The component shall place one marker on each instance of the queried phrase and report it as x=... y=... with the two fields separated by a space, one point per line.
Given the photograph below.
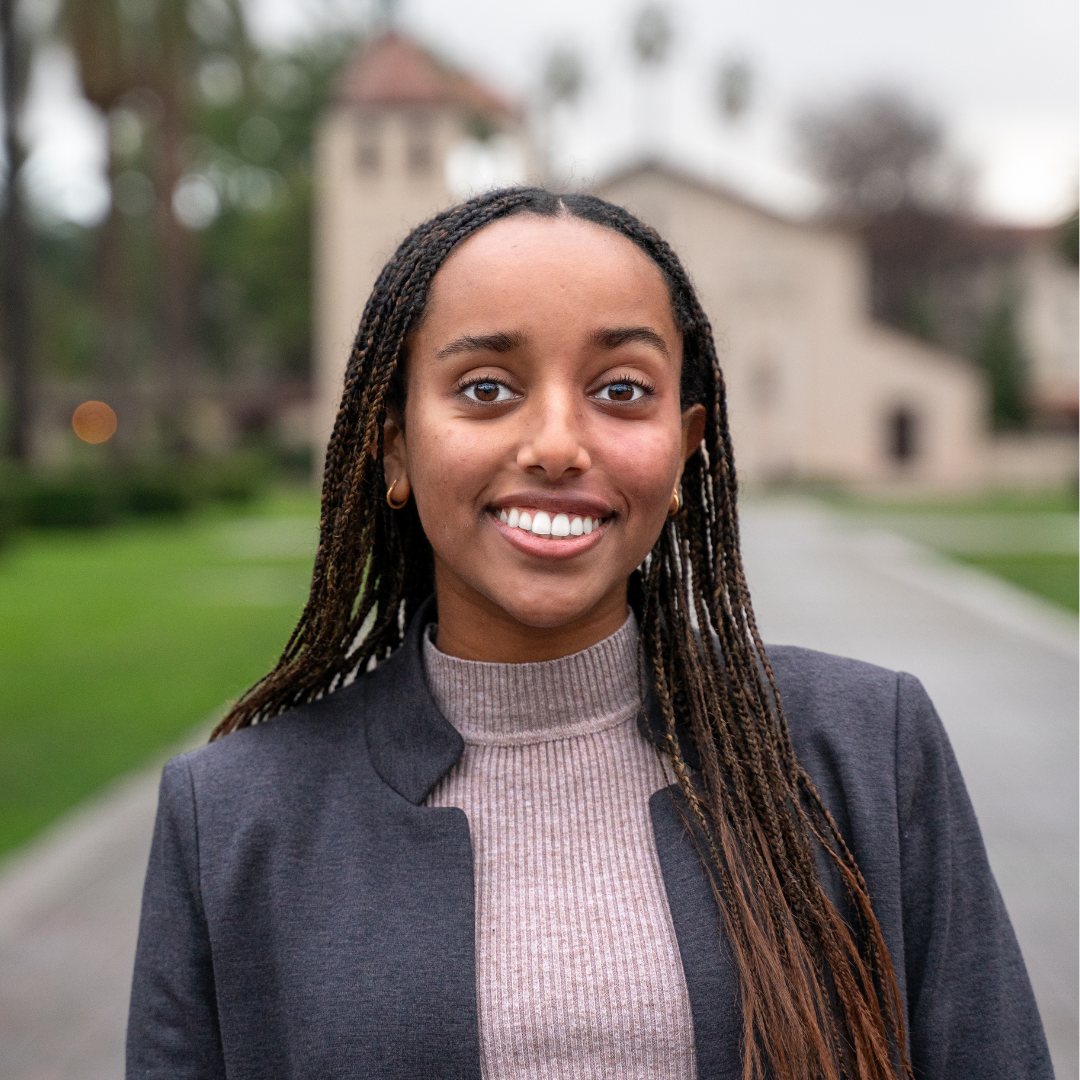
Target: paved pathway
x=1001 y=668
x=69 y=914
x=69 y=910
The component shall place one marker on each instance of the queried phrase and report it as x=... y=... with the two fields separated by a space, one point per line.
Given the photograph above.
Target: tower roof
x=392 y=70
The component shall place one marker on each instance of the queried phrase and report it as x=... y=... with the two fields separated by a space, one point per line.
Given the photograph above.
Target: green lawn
x=1055 y=577
x=1030 y=540
x=117 y=643
x=1004 y=502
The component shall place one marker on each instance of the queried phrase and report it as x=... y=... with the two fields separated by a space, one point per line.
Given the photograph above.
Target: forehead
x=528 y=261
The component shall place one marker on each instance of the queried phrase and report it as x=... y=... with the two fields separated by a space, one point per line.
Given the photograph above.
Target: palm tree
x=108 y=71
x=173 y=79
x=120 y=55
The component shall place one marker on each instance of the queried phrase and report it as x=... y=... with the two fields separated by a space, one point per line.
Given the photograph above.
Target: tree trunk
x=176 y=262
x=15 y=244
x=117 y=327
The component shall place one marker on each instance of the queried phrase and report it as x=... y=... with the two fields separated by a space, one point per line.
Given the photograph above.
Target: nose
x=554 y=442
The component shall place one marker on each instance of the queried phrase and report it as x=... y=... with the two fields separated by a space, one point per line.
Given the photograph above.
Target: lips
x=552 y=526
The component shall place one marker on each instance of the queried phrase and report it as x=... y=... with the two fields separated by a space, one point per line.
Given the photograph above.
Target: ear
x=693 y=430
x=395 y=452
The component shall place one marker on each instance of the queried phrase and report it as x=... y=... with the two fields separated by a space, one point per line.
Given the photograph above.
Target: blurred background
x=878 y=204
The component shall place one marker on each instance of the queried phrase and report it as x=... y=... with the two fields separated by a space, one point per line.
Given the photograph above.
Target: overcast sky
x=1002 y=74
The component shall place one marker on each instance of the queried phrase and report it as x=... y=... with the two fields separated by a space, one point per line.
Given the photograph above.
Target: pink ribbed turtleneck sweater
x=577 y=965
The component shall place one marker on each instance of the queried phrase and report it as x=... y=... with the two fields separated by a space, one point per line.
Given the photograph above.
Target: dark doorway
x=903 y=430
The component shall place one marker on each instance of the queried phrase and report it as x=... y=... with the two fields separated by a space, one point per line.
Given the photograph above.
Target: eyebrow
x=498 y=343
x=505 y=341
x=616 y=336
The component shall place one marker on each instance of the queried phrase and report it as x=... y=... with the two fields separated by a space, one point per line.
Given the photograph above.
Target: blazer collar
x=413 y=746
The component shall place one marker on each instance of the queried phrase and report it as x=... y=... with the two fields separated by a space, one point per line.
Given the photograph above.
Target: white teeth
x=543 y=524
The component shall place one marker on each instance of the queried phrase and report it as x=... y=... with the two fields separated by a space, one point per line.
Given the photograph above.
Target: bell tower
x=403 y=137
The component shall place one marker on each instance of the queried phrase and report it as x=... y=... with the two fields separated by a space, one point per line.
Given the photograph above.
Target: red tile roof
x=395 y=71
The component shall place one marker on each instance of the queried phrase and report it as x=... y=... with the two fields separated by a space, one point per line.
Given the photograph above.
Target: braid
x=819 y=996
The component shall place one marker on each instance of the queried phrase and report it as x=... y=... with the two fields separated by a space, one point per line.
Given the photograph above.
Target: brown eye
x=621 y=391
x=487 y=391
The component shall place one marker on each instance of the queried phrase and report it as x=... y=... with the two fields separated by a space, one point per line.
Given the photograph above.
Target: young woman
x=525 y=796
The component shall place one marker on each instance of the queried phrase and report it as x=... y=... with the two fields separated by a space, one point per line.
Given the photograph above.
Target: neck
x=517 y=704
x=472 y=627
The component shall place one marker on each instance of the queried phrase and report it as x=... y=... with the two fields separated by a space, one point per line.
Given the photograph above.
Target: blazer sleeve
x=971 y=1011
x=173 y=1026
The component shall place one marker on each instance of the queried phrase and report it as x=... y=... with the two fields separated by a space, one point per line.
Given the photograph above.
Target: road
x=1001 y=668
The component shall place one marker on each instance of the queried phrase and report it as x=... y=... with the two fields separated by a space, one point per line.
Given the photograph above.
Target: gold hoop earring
x=676 y=504
x=390 y=502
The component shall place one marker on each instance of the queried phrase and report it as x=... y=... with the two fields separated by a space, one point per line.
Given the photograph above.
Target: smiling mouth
x=555 y=526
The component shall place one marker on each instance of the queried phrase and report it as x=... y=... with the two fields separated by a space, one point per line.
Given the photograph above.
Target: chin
x=545 y=610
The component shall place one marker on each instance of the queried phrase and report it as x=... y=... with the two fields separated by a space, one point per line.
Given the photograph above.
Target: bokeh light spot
x=94 y=421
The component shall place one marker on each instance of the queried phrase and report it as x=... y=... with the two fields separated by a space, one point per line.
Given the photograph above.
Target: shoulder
x=831 y=695
x=848 y=702
x=303 y=747
x=857 y=728
x=838 y=710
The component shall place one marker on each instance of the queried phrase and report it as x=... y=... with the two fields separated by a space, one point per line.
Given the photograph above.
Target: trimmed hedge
x=72 y=501
x=91 y=498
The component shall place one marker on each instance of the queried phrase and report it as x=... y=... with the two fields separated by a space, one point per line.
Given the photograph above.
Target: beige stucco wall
x=811 y=379
x=1034 y=459
x=944 y=391
x=1050 y=326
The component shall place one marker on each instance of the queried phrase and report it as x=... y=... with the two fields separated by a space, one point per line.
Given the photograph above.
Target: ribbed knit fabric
x=577 y=965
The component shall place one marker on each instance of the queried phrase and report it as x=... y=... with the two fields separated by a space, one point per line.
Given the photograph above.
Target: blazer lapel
x=708 y=965
x=412 y=745
x=429 y=909
x=711 y=979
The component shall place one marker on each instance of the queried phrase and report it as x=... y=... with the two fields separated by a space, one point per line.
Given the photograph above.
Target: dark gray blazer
x=305 y=915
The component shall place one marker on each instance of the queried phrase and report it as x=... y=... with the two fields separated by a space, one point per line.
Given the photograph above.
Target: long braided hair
x=818 y=993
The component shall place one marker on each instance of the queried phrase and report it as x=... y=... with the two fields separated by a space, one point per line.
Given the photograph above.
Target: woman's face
x=543 y=435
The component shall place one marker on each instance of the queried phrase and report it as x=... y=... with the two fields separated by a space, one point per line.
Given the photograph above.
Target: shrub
x=298 y=461
x=74 y=500
x=236 y=479
x=93 y=497
x=12 y=500
x=158 y=490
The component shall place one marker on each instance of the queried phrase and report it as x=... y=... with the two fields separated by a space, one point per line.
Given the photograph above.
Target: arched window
x=902 y=434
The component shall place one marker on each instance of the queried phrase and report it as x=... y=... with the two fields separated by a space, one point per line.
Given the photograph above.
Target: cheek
x=644 y=460
x=446 y=460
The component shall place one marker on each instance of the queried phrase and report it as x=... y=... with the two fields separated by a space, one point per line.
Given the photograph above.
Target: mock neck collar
x=519 y=704
x=411 y=743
